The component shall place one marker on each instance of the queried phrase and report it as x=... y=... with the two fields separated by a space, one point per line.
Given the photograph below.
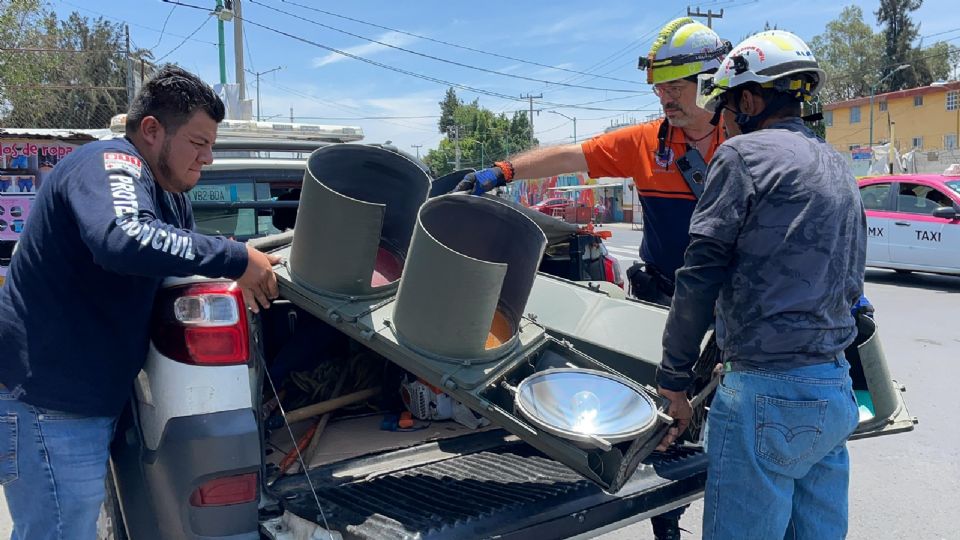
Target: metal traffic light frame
x=455 y=317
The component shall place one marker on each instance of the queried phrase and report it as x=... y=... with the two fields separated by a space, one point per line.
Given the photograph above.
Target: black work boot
x=666 y=527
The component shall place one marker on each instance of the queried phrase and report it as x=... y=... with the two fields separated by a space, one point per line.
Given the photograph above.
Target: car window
x=954 y=185
x=216 y=193
x=920 y=199
x=876 y=196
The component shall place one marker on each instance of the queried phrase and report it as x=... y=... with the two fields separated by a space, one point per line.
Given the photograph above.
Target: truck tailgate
x=493 y=486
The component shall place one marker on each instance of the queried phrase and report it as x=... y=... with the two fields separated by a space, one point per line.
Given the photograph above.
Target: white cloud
x=367 y=50
x=580 y=26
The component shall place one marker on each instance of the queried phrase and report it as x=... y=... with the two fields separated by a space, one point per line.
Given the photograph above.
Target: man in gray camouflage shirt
x=778 y=247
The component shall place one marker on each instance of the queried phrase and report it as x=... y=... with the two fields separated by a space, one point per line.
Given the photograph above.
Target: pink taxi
x=913 y=222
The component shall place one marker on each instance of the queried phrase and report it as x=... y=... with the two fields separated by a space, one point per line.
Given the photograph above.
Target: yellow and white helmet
x=773 y=59
x=684 y=48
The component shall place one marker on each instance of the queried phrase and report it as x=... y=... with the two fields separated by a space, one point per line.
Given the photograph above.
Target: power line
x=950 y=31
x=632 y=62
x=908 y=60
x=32 y=49
x=362 y=59
x=105 y=16
x=404 y=71
x=62 y=87
x=444 y=60
x=346 y=107
x=164 y=29
x=171 y=51
x=449 y=44
x=338 y=118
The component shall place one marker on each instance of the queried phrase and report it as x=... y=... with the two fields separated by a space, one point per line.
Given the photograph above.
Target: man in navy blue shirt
x=109 y=224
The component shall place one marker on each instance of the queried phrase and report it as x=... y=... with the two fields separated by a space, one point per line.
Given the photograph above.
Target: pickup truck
x=209 y=447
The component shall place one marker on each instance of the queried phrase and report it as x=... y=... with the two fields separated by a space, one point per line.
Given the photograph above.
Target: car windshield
x=954 y=185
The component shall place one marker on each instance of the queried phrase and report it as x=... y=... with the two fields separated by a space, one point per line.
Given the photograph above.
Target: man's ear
x=151 y=130
x=750 y=103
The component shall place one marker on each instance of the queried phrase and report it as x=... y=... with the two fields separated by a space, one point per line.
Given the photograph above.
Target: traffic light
x=470 y=269
x=440 y=288
x=357 y=212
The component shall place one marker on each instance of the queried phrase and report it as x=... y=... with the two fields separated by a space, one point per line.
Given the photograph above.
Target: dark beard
x=163 y=167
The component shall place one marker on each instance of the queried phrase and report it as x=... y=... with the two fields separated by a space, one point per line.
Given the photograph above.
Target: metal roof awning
x=56 y=134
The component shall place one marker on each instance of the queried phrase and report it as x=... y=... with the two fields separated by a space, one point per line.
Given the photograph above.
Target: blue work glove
x=863 y=307
x=482 y=181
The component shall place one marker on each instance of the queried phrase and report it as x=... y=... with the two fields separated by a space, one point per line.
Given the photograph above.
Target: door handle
x=902 y=223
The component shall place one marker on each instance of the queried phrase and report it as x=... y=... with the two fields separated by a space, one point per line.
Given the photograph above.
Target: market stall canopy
x=56 y=134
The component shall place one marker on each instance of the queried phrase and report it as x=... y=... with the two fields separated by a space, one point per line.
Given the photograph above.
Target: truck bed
x=487 y=484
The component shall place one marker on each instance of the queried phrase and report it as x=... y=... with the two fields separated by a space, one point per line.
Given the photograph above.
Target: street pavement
x=904 y=486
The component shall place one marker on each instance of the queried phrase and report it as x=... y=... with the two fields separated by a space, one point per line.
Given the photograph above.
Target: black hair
x=172 y=96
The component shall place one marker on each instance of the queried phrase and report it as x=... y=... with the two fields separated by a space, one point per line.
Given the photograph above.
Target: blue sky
x=602 y=39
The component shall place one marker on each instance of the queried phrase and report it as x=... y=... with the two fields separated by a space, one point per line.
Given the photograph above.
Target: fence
x=55 y=88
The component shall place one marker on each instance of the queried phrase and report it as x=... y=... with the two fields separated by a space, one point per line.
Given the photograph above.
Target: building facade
x=925 y=119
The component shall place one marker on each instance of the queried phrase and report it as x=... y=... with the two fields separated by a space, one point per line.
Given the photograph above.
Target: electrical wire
x=950 y=31
x=105 y=16
x=366 y=117
x=392 y=68
x=415 y=127
x=303 y=465
x=633 y=62
x=362 y=59
x=164 y=28
x=444 y=60
x=449 y=44
x=171 y=51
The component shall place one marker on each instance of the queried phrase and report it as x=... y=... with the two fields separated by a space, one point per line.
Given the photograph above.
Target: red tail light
x=202 y=324
x=238 y=489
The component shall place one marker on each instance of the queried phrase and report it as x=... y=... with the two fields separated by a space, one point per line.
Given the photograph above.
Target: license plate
x=213 y=193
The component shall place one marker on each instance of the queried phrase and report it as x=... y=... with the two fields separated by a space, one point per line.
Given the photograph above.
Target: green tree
x=849 y=51
x=936 y=62
x=81 y=87
x=484 y=137
x=448 y=107
x=899 y=33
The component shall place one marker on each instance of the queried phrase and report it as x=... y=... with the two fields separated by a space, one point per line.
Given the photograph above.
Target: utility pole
x=417 y=146
x=709 y=15
x=455 y=131
x=291 y=114
x=531 y=98
x=238 y=49
x=893 y=149
x=221 y=16
x=131 y=89
x=257 y=74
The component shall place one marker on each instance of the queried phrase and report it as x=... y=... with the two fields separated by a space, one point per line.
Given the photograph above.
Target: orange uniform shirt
x=665 y=197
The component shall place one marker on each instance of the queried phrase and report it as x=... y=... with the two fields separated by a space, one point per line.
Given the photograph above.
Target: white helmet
x=683 y=48
x=768 y=59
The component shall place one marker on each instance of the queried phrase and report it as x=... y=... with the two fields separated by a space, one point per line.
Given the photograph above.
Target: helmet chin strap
x=716 y=116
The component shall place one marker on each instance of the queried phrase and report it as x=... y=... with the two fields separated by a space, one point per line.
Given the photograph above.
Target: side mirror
x=945 y=212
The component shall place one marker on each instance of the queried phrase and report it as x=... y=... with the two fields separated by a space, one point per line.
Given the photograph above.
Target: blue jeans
x=778 y=463
x=53 y=467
